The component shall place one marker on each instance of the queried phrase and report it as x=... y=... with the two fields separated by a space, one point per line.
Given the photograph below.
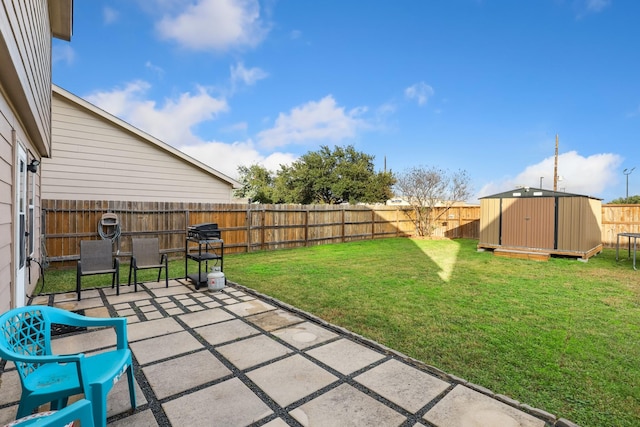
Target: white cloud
x=421 y=92
x=227 y=157
x=63 y=52
x=246 y=76
x=580 y=175
x=172 y=122
x=321 y=121
x=216 y=25
x=109 y=15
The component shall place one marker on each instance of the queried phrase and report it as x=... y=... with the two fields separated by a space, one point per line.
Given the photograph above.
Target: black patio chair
x=145 y=254
x=96 y=257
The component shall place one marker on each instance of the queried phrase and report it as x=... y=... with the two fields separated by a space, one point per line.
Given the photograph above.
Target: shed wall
x=95 y=160
x=490 y=221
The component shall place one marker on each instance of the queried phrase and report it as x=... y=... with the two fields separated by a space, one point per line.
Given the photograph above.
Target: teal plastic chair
x=25 y=339
x=77 y=411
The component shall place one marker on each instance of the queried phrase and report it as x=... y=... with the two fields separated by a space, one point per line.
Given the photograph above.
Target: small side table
x=630 y=236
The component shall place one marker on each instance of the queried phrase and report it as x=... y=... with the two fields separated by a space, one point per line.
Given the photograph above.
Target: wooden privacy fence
x=247 y=228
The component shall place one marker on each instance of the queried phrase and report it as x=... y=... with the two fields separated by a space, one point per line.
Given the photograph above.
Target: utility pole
x=627 y=172
x=555 y=168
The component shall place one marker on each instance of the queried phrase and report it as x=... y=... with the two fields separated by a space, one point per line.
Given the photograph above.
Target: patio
x=236 y=358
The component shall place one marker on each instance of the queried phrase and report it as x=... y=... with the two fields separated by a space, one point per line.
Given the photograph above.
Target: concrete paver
x=346 y=406
x=304 y=335
x=182 y=368
x=153 y=349
x=465 y=407
x=233 y=358
x=226 y=331
x=402 y=384
x=345 y=356
x=230 y=403
x=243 y=355
x=291 y=379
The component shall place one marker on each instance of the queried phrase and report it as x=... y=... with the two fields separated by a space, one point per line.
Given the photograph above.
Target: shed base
x=532 y=256
x=499 y=250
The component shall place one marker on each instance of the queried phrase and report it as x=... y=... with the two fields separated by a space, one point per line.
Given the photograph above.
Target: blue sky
x=478 y=85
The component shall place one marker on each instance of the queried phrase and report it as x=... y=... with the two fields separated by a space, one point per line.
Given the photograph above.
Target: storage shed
x=535 y=220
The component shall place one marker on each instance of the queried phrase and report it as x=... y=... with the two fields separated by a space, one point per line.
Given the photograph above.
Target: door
x=21 y=228
x=528 y=222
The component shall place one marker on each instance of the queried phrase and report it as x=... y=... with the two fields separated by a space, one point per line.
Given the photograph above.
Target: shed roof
x=57 y=90
x=530 y=192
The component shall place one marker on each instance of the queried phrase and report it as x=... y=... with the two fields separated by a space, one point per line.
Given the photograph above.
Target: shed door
x=529 y=223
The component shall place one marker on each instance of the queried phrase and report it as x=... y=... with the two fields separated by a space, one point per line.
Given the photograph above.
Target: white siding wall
x=25 y=107
x=94 y=159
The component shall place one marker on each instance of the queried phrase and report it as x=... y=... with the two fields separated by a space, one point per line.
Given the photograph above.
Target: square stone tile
x=213 y=304
x=177 y=375
x=195 y=308
x=346 y=406
x=205 y=317
x=85 y=342
x=291 y=379
x=10 y=388
x=402 y=384
x=249 y=307
x=175 y=311
x=147 y=351
x=171 y=290
x=152 y=328
x=153 y=315
x=127 y=312
x=147 y=308
x=169 y=305
x=229 y=403
x=278 y=422
x=97 y=312
x=219 y=333
x=130 y=297
x=8 y=414
x=143 y=302
x=162 y=300
x=252 y=351
x=465 y=407
x=304 y=335
x=83 y=304
x=276 y=319
x=140 y=419
x=118 y=398
x=345 y=356
x=188 y=302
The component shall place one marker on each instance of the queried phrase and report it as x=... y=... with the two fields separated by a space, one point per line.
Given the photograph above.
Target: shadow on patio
x=235 y=358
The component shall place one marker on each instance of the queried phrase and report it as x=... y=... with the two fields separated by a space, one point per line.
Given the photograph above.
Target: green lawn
x=563 y=335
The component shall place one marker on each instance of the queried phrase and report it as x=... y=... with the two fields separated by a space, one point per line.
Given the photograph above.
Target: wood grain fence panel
x=267 y=227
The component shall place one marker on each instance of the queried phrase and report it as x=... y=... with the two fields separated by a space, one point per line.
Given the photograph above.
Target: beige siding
x=25 y=55
x=95 y=159
x=25 y=108
x=490 y=221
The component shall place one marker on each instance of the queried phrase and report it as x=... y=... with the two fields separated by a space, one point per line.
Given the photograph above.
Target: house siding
x=96 y=159
x=25 y=119
x=25 y=46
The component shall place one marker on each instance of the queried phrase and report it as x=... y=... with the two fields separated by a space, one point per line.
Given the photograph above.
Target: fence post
x=306 y=226
x=248 y=219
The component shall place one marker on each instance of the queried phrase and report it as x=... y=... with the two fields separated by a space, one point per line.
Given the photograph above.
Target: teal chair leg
x=132 y=387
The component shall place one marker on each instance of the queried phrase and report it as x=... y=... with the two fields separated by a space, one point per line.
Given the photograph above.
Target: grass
x=563 y=335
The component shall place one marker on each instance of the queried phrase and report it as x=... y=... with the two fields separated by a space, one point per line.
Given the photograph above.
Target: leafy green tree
x=336 y=176
x=257 y=184
x=631 y=200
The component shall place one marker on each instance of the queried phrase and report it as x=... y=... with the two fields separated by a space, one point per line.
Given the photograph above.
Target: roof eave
x=61 y=18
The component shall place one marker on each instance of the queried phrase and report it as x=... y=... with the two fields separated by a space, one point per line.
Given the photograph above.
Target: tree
x=257 y=184
x=426 y=189
x=631 y=200
x=333 y=177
